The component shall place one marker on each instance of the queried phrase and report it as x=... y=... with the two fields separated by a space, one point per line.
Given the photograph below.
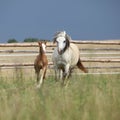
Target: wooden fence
x=96 y=55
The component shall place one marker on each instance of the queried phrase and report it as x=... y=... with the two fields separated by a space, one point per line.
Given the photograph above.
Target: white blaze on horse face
x=44 y=47
x=61 y=43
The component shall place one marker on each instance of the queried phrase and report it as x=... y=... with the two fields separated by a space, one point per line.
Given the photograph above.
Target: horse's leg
x=45 y=72
x=56 y=74
x=37 y=73
x=66 y=74
x=41 y=78
x=38 y=76
x=60 y=74
x=80 y=66
x=70 y=72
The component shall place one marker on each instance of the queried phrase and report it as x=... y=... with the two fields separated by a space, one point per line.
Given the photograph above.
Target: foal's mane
x=63 y=34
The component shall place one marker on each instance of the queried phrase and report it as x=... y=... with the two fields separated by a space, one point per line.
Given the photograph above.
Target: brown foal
x=41 y=63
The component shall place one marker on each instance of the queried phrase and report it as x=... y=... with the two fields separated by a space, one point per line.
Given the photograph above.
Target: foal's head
x=62 y=40
x=42 y=47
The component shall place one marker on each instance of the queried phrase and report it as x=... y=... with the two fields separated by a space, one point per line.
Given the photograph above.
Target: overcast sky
x=81 y=19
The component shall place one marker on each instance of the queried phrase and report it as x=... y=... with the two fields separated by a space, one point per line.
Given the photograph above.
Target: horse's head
x=62 y=40
x=42 y=46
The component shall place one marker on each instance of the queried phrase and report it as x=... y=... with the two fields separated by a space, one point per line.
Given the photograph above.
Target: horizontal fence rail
x=34 y=44
x=97 y=42
x=48 y=54
x=50 y=64
x=50 y=51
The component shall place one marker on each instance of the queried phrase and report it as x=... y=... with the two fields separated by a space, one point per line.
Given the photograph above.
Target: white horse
x=65 y=57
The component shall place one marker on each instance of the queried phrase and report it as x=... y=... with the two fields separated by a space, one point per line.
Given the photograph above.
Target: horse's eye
x=64 y=41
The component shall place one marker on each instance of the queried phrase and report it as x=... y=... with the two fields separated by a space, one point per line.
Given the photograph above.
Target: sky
x=81 y=19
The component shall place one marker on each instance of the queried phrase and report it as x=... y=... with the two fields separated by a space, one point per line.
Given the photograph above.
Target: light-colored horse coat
x=65 y=58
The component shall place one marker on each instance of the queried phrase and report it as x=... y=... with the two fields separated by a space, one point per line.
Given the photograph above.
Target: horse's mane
x=62 y=34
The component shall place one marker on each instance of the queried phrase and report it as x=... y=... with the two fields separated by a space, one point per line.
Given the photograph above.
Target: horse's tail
x=80 y=66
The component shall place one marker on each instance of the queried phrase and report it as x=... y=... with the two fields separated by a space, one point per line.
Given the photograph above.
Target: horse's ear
x=54 y=40
x=39 y=43
x=68 y=40
x=45 y=42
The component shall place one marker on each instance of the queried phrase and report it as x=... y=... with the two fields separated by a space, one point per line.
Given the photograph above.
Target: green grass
x=88 y=97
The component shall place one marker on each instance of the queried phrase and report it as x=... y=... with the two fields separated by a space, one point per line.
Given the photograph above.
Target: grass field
x=88 y=97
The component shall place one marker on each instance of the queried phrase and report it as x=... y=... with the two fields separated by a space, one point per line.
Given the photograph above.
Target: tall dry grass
x=88 y=97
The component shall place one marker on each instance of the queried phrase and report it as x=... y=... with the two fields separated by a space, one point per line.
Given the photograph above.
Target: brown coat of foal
x=41 y=63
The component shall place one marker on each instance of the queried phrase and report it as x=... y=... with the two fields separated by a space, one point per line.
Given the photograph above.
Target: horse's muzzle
x=60 y=51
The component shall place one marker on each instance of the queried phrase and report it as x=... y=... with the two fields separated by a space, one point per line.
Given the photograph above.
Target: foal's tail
x=80 y=66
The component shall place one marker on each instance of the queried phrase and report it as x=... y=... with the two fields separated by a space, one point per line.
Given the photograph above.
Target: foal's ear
x=45 y=42
x=39 y=43
x=54 y=40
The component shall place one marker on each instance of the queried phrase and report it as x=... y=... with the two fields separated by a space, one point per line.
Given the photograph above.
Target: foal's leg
x=38 y=76
x=45 y=72
x=41 y=78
